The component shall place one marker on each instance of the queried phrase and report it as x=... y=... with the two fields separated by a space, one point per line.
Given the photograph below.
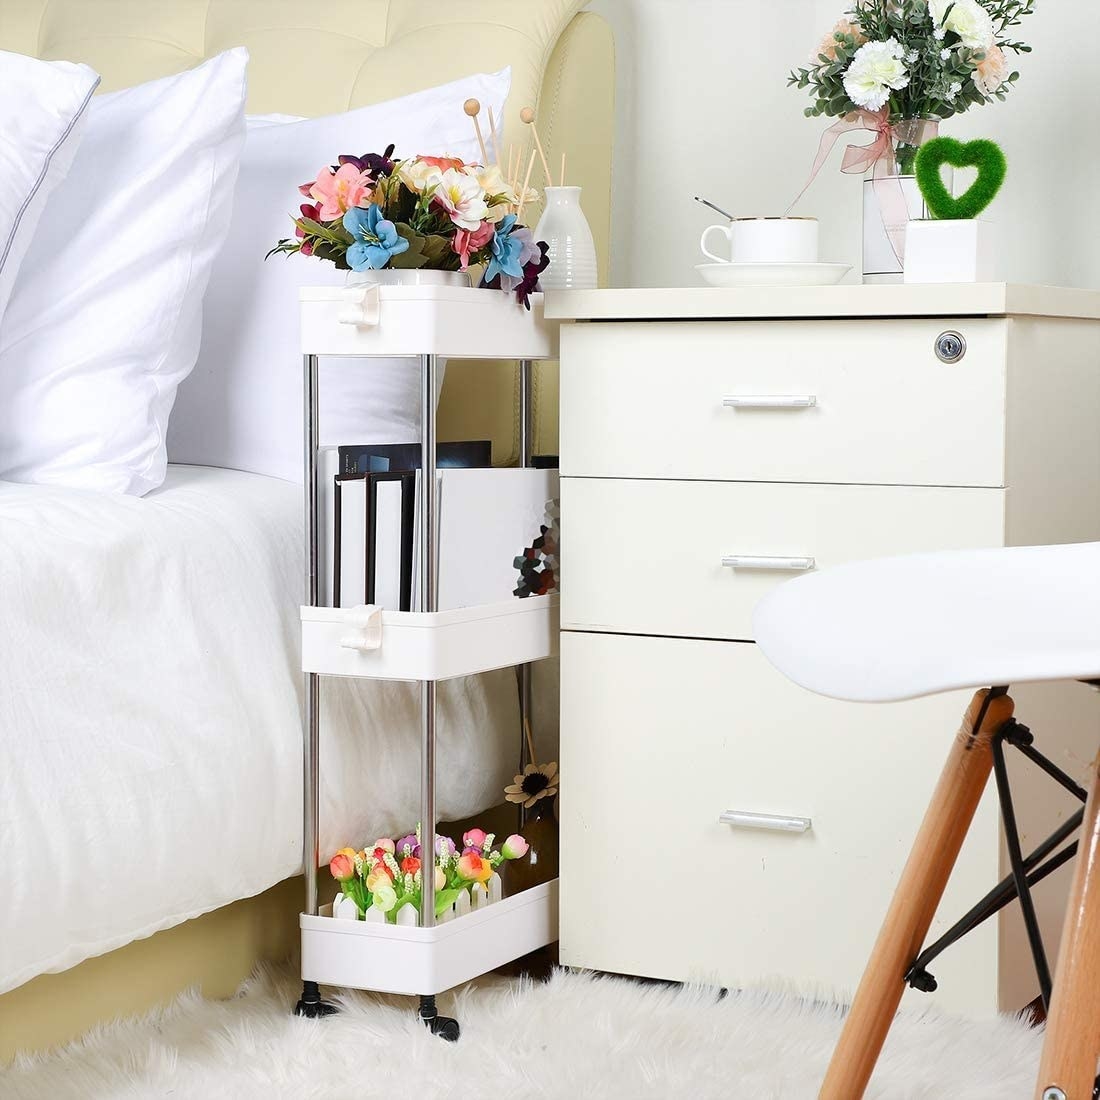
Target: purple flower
x=377 y=164
x=444 y=846
x=408 y=846
x=528 y=283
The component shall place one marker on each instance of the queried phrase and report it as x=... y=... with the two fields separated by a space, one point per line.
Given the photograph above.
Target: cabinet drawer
x=646 y=557
x=661 y=736
x=653 y=400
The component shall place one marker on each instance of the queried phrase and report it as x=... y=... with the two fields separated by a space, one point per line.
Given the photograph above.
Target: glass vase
x=893 y=180
x=540 y=864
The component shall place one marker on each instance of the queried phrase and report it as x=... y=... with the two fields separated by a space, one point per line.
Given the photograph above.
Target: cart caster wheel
x=446 y=1028
x=443 y=1026
x=311 y=1006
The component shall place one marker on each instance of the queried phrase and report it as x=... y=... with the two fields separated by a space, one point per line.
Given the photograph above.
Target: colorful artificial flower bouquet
x=372 y=212
x=387 y=875
x=896 y=62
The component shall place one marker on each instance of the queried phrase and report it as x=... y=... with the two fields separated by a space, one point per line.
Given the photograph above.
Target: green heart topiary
x=983 y=154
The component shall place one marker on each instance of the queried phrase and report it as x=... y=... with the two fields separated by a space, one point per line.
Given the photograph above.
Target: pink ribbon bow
x=878 y=156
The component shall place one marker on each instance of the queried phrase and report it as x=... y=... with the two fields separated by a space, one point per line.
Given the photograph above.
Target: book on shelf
x=370 y=458
x=363 y=458
x=389 y=539
x=351 y=521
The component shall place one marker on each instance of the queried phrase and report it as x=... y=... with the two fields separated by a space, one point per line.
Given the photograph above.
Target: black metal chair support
x=1026 y=872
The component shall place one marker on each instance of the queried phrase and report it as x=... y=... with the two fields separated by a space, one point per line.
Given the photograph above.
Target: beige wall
x=703 y=107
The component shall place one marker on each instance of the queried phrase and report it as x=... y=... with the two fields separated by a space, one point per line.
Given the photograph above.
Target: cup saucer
x=772 y=274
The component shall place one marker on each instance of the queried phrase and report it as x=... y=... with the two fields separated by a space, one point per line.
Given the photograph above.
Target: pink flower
x=515 y=847
x=475 y=838
x=829 y=43
x=337 y=192
x=385 y=845
x=465 y=242
x=991 y=71
x=462 y=198
x=442 y=163
x=473 y=868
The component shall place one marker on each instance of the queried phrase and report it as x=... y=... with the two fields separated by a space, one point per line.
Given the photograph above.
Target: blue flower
x=376 y=239
x=508 y=249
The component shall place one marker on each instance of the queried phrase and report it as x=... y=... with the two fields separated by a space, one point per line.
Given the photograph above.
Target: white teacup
x=765 y=240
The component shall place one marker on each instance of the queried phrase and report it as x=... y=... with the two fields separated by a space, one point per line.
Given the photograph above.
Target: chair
x=898 y=628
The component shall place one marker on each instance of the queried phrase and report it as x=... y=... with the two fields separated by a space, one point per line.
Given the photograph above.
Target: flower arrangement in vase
x=898 y=68
x=375 y=213
x=386 y=876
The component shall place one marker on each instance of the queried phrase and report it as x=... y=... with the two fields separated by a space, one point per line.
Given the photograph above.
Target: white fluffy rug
x=573 y=1037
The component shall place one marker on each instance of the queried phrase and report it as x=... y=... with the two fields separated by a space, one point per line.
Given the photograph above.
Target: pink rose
x=475 y=838
x=465 y=242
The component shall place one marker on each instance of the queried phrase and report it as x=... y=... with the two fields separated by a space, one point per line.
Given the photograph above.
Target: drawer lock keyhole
x=950 y=347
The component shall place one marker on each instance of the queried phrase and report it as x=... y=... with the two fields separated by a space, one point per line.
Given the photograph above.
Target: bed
x=150 y=645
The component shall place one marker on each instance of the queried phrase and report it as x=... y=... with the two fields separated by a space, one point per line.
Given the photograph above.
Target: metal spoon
x=707 y=202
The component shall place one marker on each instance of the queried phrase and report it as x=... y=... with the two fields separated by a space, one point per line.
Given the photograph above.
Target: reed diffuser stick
x=472 y=107
x=496 y=140
x=563 y=170
x=526 y=184
x=527 y=116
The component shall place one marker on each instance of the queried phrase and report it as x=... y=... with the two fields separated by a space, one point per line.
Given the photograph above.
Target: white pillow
x=106 y=317
x=242 y=406
x=42 y=104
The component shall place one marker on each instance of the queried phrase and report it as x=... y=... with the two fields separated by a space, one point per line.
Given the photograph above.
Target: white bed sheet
x=150 y=731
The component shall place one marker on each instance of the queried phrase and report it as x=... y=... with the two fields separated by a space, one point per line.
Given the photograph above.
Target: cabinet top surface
x=745 y=303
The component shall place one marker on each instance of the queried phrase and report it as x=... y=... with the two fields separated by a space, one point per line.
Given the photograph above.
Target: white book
x=351 y=516
x=486 y=519
x=387 y=543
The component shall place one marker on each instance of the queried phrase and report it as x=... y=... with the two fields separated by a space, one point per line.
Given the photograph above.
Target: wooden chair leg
x=916 y=898
x=1068 y=1066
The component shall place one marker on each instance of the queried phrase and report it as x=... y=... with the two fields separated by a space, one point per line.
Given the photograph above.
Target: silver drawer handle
x=770 y=401
x=746 y=561
x=776 y=823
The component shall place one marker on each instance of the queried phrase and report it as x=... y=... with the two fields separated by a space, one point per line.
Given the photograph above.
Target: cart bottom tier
x=386 y=958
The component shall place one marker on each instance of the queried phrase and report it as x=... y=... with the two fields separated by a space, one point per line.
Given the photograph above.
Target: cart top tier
x=451 y=321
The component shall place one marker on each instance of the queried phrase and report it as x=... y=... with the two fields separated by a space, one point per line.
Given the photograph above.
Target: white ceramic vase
x=565 y=229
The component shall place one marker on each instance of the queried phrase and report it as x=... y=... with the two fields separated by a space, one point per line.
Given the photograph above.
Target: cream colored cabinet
x=713 y=445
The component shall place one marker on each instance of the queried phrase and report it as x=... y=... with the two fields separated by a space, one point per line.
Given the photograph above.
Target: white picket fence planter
x=405 y=958
x=344 y=908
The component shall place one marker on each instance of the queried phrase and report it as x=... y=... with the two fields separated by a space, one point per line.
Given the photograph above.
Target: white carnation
x=876 y=69
x=967 y=18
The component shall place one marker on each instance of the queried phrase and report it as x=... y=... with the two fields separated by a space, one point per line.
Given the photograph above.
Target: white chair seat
x=896 y=628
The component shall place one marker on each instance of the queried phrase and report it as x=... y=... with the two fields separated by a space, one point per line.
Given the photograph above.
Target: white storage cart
x=424 y=324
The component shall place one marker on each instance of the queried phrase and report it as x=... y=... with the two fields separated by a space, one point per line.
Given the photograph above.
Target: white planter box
x=455 y=322
x=391 y=959
x=439 y=645
x=951 y=251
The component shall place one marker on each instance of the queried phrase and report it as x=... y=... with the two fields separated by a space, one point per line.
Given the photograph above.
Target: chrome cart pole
x=311 y=1004
x=311 y=742
x=526 y=446
x=428 y=559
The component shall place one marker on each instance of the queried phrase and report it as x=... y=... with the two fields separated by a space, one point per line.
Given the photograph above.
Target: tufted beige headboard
x=321 y=58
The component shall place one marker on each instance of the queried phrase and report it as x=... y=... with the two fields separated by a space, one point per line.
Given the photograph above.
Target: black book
x=371 y=458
